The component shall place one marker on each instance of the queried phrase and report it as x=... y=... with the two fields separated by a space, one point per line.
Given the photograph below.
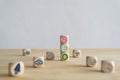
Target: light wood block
x=91 y=61
x=50 y=55
x=64 y=48
x=76 y=53
x=16 y=68
x=26 y=52
x=64 y=39
x=64 y=56
x=107 y=66
x=38 y=62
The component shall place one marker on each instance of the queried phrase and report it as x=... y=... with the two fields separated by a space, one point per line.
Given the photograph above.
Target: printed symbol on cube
x=64 y=56
x=38 y=62
x=76 y=53
x=107 y=66
x=26 y=52
x=49 y=55
x=91 y=61
x=16 y=69
x=63 y=39
x=64 y=48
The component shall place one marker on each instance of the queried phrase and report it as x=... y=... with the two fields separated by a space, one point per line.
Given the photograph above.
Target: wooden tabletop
x=74 y=69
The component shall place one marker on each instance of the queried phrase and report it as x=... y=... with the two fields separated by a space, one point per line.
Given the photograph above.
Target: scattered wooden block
x=50 y=55
x=65 y=56
x=16 y=69
x=76 y=53
x=107 y=66
x=38 y=62
x=64 y=39
x=64 y=48
x=26 y=52
x=91 y=61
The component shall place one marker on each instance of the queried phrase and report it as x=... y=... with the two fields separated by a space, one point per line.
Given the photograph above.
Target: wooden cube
x=64 y=56
x=107 y=66
x=16 y=68
x=26 y=52
x=91 y=61
x=50 y=55
x=76 y=53
x=64 y=48
x=38 y=62
x=64 y=39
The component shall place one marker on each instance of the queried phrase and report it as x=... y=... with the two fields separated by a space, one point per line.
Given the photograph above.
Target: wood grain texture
x=74 y=69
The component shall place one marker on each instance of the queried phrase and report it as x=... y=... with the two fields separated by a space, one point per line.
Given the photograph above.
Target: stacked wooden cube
x=64 y=47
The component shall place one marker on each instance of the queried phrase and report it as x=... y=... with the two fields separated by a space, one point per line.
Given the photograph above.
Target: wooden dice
x=64 y=39
x=91 y=61
x=50 y=55
x=16 y=68
x=65 y=56
x=26 y=52
x=76 y=53
x=64 y=47
x=38 y=62
x=107 y=66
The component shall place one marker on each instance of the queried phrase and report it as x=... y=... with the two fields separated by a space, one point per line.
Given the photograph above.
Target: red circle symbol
x=63 y=39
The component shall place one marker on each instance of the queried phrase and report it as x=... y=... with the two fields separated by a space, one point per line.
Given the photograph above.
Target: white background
x=39 y=23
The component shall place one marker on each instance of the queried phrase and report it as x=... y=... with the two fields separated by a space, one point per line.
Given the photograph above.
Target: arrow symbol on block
x=17 y=68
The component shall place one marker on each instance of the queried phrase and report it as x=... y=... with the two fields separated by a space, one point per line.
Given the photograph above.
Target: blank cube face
x=16 y=69
x=91 y=61
x=76 y=53
x=38 y=62
x=64 y=56
x=26 y=52
x=64 y=48
x=64 y=39
x=49 y=55
x=107 y=66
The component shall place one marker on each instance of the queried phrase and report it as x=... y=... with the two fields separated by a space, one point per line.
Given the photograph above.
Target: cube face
x=76 y=53
x=64 y=56
x=26 y=52
x=107 y=66
x=38 y=62
x=16 y=69
x=64 y=48
x=49 y=55
x=64 y=39
x=91 y=61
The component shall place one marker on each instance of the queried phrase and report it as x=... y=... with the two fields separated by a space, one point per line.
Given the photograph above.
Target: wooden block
x=91 y=61
x=76 y=53
x=64 y=39
x=107 y=66
x=50 y=55
x=16 y=69
x=64 y=56
x=64 y=48
x=38 y=62
x=26 y=52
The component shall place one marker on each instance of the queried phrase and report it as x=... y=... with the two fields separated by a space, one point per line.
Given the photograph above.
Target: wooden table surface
x=74 y=69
